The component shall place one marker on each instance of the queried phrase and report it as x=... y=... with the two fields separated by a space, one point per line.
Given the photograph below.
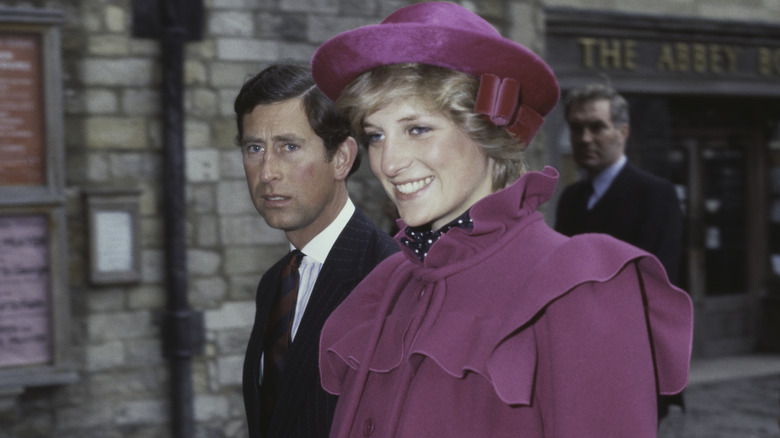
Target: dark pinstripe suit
x=303 y=408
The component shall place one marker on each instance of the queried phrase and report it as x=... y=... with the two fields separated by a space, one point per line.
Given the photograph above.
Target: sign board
x=22 y=141
x=25 y=335
x=650 y=54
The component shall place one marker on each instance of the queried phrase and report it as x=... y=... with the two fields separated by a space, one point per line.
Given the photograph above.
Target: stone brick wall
x=112 y=115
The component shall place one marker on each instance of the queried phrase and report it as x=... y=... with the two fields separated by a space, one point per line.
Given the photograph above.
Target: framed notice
x=31 y=110
x=25 y=330
x=35 y=332
x=22 y=135
x=114 y=236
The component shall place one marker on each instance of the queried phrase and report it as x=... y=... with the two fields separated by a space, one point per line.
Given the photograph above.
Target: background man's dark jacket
x=639 y=208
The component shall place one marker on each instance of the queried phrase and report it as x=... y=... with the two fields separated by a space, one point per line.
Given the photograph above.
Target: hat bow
x=499 y=100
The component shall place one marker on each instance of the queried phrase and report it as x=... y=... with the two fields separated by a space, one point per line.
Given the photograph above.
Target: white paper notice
x=114 y=245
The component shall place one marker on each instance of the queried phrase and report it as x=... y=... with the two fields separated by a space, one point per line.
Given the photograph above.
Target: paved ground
x=729 y=398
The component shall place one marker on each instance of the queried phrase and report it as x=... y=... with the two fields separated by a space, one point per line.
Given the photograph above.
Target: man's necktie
x=278 y=334
x=589 y=194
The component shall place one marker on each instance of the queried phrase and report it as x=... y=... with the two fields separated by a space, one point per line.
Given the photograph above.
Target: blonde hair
x=449 y=92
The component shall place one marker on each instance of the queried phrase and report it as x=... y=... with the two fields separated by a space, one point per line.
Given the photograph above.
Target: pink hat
x=517 y=88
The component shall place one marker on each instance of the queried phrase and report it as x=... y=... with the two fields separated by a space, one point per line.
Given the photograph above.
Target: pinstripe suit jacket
x=303 y=408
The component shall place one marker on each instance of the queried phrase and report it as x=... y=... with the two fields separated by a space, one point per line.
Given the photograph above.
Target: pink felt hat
x=517 y=88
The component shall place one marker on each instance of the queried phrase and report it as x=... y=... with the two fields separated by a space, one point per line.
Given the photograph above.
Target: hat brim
x=344 y=57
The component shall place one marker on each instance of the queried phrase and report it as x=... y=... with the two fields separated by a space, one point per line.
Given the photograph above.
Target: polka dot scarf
x=420 y=239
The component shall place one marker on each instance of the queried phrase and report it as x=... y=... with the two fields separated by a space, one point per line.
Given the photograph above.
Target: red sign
x=22 y=115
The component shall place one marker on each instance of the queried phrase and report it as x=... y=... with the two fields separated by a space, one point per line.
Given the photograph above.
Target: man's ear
x=625 y=130
x=344 y=157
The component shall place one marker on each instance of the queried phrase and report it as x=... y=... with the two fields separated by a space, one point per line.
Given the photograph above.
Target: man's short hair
x=281 y=82
x=617 y=103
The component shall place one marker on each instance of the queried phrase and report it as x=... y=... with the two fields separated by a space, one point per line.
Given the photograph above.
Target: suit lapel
x=620 y=188
x=339 y=275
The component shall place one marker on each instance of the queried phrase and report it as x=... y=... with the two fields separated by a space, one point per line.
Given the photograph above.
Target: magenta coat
x=508 y=330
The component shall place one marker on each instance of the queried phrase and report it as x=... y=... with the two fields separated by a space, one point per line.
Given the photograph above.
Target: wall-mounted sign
x=662 y=54
x=25 y=335
x=22 y=117
x=113 y=217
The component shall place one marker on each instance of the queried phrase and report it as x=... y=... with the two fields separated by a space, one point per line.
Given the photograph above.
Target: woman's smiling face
x=431 y=169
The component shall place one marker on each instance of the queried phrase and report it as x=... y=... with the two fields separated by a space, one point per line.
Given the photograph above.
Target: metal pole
x=174 y=22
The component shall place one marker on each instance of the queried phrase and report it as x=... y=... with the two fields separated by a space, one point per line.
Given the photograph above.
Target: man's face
x=292 y=184
x=596 y=142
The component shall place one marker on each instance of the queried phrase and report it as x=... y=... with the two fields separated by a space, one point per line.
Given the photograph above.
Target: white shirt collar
x=319 y=247
x=603 y=180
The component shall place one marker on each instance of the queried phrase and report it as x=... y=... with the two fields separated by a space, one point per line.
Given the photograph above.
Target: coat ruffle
x=462 y=323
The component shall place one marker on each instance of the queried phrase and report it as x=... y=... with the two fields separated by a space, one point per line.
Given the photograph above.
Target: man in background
x=297 y=154
x=615 y=197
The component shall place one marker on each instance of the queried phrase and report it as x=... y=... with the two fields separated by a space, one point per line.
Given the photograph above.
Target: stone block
x=233 y=198
x=232 y=74
x=231 y=315
x=108 y=45
x=104 y=327
x=231 y=342
x=115 y=132
x=318 y=6
x=232 y=164
x=244 y=287
x=141 y=101
x=107 y=300
x=323 y=28
x=145 y=352
x=253 y=260
x=197 y=133
x=201 y=199
x=100 y=101
x=207 y=292
x=116 y=19
x=94 y=414
x=231 y=23
x=104 y=356
x=141 y=412
x=202 y=165
x=140 y=167
x=249 y=230
x=152 y=266
x=203 y=263
x=200 y=102
x=206 y=230
x=245 y=49
x=211 y=407
x=97 y=167
x=195 y=72
x=230 y=370
x=151 y=231
x=117 y=71
x=146 y=298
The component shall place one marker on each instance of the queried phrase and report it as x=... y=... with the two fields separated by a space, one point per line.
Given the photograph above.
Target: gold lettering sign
x=608 y=54
x=22 y=115
x=768 y=61
x=678 y=57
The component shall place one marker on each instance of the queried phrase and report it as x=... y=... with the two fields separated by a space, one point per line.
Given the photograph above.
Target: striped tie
x=278 y=333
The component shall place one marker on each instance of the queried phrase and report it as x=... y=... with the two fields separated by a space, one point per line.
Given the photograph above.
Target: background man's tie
x=278 y=334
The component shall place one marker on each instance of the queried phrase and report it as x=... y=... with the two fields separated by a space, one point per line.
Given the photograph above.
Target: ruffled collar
x=492 y=217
